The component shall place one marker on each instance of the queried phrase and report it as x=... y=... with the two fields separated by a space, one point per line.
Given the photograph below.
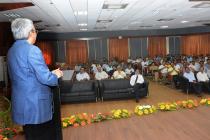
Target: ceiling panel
x=59 y=15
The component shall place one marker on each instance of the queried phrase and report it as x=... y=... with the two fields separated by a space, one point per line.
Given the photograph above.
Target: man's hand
x=58 y=73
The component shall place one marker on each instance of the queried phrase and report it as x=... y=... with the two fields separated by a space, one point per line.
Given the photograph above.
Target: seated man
x=119 y=74
x=137 y=81
x=129 y=71
x=203 y=79
x=100 y=74
x=174 y=72
x=82 y=75
x=163 y=70
x=191 y=77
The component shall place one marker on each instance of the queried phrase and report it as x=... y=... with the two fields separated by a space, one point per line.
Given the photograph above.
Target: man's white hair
x=21 y=27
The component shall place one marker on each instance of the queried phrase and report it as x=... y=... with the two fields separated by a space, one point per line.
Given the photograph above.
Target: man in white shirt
x=119 y=74
x=137 y=82
x=129 y=71
x=191 y=77
x=203 y=79
x=82 y=75
x=100 y=74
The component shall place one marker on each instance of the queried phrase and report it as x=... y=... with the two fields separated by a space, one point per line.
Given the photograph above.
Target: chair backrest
x=113 y=84
x=84 y=86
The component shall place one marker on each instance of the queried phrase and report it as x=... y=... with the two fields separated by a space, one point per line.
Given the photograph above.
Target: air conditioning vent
x=165 y=19
x=202 y=5
x=206 y=24
x=104 y=20
x=205 y=21
x=114 y=6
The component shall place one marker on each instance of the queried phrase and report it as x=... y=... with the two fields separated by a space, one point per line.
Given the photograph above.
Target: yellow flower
x=136 y=110
x=167 y=107
x=140 y=113
x=151 y=110
x=146 y=111
x=65 y=124
x=203 y=101
x=208 y=102
x=162 y=107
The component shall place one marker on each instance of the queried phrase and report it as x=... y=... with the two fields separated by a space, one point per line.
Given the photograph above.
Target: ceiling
x=98 y=15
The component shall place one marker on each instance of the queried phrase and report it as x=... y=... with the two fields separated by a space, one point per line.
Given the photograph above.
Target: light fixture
x=12 y=15
x=80 y=13
x=84 y=29
x=135 y=22
x=202 y=5
x=82 y=24
x=184 y=21
x=114 y=6
x=164 y=26
x=104 y=20
x=165 y=19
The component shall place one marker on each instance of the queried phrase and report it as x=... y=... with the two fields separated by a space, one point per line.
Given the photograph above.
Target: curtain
x=195 y=44
x=76 y=52
x=118 y=48
x=156 y=46
x=47 y=49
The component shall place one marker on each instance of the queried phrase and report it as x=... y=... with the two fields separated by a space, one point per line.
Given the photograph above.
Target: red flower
x=83 y=123
x=1 y=137
x=76 y=125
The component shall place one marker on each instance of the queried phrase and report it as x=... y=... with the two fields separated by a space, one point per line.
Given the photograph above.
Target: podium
x=57 y=114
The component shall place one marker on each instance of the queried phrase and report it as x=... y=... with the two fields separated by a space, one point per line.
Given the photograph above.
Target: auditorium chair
x=78 y=91
x=119 y=89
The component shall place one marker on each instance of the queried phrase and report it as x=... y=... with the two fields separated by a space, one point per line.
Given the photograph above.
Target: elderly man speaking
x=30 y=80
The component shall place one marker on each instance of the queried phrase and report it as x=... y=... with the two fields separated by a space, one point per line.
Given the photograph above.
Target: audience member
x=193 y=83
x=119 y=74
x=82 y=75
x=137 y=81
x=100 y=74
x=203 y=79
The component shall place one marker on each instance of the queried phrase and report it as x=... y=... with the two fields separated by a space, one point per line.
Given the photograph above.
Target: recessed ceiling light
x=83 y=29
x=145 y=26
x=114 y=6
x=202 y=5
x=104 y=20
x=80 y=13
x=135 y=22
x=164 y=26
x=165 y=19
x=82 y=24
x=203 y=20
x=184 y=21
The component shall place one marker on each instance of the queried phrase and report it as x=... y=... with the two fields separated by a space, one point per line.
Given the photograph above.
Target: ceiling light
x=135 y=22
x=104 y=20
x=165 y=19
x=202 y=5
x=82 y=24
x=100 y=28
x=145 y=26
x=203 y=20
x=12 y=15
x=114 y=6
x=83 y=29
x=164 y=26
x=184 y=21
x=80 y=13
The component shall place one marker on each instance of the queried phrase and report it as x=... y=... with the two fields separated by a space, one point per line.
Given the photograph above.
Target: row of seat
x=94 y=90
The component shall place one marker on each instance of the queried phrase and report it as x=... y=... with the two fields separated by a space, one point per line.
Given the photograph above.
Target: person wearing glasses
x=31 y=79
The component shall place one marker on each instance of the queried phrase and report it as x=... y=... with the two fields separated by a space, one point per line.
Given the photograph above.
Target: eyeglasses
x=35 y=31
